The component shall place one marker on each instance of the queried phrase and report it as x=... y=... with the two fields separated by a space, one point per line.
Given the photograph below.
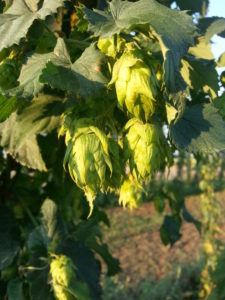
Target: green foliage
x=113 y=78
x=19 y=132
x=200 y=129
x=182 y=283
x=17 y=20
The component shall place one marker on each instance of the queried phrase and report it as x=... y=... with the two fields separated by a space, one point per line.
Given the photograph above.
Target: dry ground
x=134 y=239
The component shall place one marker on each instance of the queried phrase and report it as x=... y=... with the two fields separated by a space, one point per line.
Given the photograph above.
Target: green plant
x=109 y=79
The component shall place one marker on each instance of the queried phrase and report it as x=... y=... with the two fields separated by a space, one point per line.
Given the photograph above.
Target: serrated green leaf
x=29 y=82
x=83 y=78
x=200 y=130
x=175 y=38
x=216 y=27
x=194 y=70
x=211 y=26
x=194 y=6
x=18 y=134
x=7 y=106
x=88 y=232
x=15 y=23
x=15 y=289
x=170 y=230
x=221 y=60
x=220 y=104
x=202 y=49
x=38 y=280
x=29 y=77
x=8 y=249
x=38 y=239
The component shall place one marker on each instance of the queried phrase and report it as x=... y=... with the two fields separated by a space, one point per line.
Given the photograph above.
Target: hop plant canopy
x=91 y=88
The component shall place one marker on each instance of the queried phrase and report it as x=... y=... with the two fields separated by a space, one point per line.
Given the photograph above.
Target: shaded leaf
x=211 y=26
x=38 y=280
x=199 y=130
x=220 y=104
x=15 y=23
x=18 y=134
x=170 y=230
x=8 y=249
x=194 y=70
x=89 y=233
x=7 y=106
x=38 y=239
x=216 y=27
x=88 y=268
x=194 y=5
x=15 y=289
x=30 y=85
x=83 y=78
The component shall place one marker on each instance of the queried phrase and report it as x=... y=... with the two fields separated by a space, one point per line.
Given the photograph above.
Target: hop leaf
x=136 y=84
x=9 y=72
x=111 y=46
x=130 y=194
x=146 y=148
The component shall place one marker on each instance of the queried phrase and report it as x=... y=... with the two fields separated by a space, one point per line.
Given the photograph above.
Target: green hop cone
x=65 y=284
x=62 y=272
x=92 y=159
x=146 y=148
x=136 y=84
x=130 y=194
x=111 y=46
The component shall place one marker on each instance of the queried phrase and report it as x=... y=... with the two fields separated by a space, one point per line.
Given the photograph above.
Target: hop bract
x=146 y=148
x=111 y=46
x=63 y=273
x=92 y=159
x=136 y=84
x=130 y=194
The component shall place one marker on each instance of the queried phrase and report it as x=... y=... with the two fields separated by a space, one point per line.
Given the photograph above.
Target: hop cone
x=136 y=84
x=130 y=194
x=146 y=148
x=62 y=273
x=93 y=159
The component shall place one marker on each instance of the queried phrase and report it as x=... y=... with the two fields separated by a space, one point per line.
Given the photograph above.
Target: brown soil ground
x=134 y=239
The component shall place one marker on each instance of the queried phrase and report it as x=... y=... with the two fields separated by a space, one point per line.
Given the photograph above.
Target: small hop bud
x=111 y=46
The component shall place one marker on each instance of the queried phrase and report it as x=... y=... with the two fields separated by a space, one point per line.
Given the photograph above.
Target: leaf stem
x=29 y=213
